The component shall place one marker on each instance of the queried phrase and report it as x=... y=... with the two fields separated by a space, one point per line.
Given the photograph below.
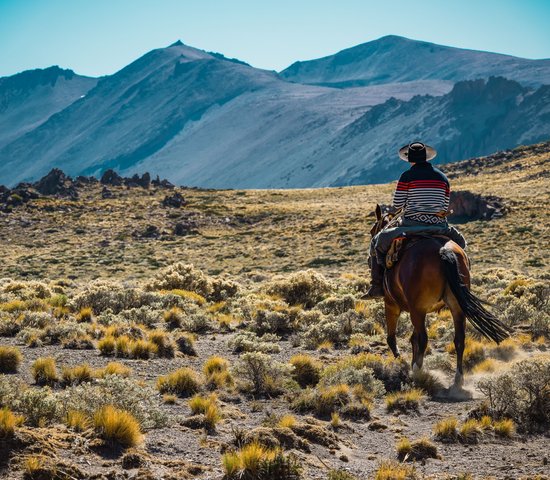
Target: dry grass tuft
x=416 y=450
x=78 y=421
x=391 y=470
x=287 y=421
x=77 y=375
x=471 y=431
x=505 y=428
x=307 y=370
x=114 y=368
x=44 y=371
x=404 y=402
x=446 y=430
x=182 y=382
x=10 y=358
x=117 y=426
x=8 y=422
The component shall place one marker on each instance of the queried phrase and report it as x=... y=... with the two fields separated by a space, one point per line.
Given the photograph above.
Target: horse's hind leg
x=392 y=311
x=419 y=338
x=460 y=334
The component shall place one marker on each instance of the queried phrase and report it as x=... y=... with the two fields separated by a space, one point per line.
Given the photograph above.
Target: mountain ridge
x=203 y=119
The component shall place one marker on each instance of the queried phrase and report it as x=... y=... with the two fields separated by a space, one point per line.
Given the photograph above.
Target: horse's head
x=381 y=220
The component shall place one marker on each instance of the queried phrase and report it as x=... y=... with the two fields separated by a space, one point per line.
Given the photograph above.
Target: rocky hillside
x=28 y=99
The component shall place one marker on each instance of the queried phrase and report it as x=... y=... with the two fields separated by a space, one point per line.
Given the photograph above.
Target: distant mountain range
x=201 y=119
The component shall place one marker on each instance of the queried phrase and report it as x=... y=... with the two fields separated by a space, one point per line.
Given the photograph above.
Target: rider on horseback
x=423 y=194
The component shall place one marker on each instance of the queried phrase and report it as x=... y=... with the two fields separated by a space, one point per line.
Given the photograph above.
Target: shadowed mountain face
x=396 y=59
x=198 y=118
x=30 y=98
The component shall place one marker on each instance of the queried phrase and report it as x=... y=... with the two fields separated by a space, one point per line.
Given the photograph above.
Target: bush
x=336 y=305
x=504 y=428
x=215 y=364
x=331 y=328
x=307 y=370
x=44 y=371
x=250 y=342
x=350 y=375
x=180 y=276
x=139 y=399
x=404 y=402
x=10 y=358
x=182 y=382
x=305 y=288
x=8 y=422
x=117 y=426
x=522 y=394
x=142 y=349
x=39 y=406
x=262 y=374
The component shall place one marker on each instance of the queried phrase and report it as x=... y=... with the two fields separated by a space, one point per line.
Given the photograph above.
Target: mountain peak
x=177 y=43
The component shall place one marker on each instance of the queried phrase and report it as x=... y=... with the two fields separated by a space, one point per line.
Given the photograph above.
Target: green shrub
x=261 y=374
x=521 y=394
x=305 y=288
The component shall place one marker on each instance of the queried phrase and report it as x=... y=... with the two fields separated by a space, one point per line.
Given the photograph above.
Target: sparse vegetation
x=295 y=359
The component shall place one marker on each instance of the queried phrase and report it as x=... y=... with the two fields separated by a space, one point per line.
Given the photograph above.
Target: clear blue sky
x=97 y=37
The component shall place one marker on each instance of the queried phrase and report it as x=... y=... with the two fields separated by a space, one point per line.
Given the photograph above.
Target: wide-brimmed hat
x=417 y=152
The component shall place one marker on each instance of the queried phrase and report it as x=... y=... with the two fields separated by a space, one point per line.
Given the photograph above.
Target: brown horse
x=433 y=272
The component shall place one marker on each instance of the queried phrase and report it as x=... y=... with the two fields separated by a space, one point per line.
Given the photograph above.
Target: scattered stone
x=185 y=228
x=106 y=193
x=176 y=200
x=136 y=181
x=194 y=422
x=58 y=184
x=277 y=437
x=152 y=231
x=110 y=177
x=82 y=180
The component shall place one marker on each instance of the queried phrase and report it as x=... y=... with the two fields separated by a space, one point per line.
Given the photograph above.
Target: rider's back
x=424 y=192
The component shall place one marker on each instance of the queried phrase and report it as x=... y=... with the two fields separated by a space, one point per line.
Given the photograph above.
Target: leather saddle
x=402 y=243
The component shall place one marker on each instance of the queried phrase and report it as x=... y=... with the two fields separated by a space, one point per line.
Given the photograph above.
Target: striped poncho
x=423 y=191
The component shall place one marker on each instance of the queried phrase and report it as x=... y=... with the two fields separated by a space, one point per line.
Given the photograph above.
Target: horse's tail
x=483 y=320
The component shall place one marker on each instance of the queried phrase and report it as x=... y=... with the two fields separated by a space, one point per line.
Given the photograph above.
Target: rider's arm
x=401 y=193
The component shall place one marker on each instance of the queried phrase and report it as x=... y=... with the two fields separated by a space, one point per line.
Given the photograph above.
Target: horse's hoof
x=459 y=380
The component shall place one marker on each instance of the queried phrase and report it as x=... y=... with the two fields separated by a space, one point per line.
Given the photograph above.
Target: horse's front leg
x=392 y=311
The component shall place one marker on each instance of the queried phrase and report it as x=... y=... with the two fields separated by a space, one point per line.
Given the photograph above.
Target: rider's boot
x=377 y=275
